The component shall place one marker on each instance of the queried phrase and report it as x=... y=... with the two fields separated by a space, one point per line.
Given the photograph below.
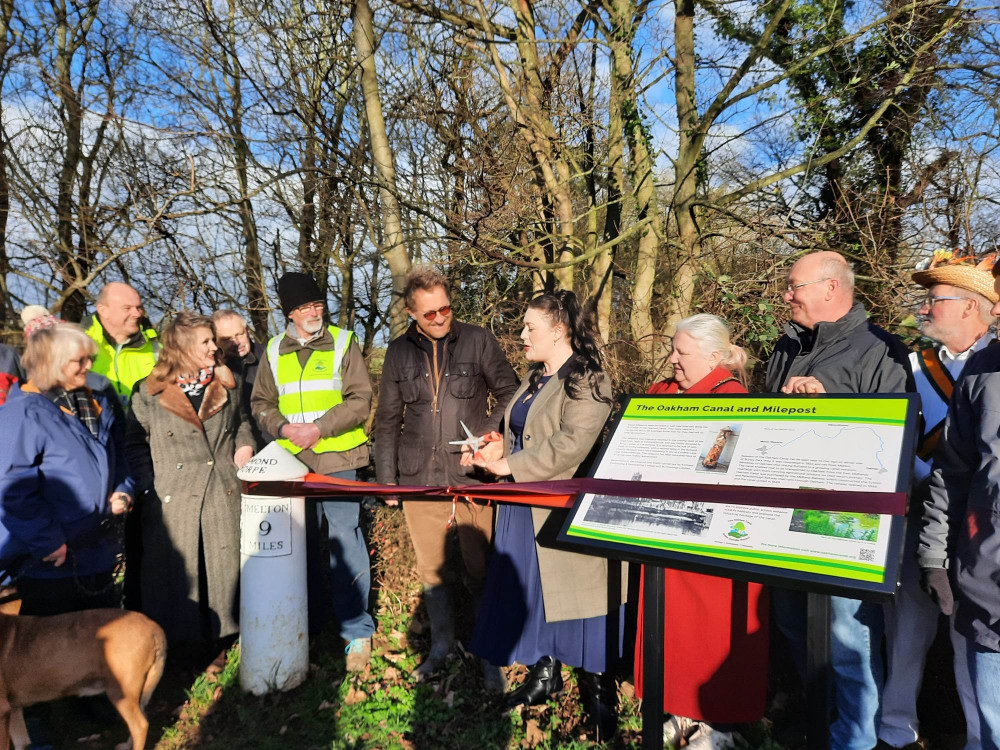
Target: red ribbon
x=563 y=493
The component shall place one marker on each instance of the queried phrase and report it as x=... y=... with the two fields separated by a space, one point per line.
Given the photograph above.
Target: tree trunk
x=647 y=205
x=8 y=316
x=686 y=166
x=601 y=285
x=393 y=247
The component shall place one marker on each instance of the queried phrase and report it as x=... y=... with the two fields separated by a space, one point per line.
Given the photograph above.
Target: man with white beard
x=312 y=391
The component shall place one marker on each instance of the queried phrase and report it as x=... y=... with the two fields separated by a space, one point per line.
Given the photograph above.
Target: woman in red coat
x=715 y=649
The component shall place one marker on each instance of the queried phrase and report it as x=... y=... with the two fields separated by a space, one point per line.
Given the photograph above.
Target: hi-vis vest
x=307 y=393
x=123 y=365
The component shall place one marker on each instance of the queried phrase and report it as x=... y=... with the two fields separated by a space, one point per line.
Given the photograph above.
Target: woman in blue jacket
x=62 y=476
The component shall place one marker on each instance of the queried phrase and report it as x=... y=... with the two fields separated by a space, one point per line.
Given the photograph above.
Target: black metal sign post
x=817 y=671
x=654 y=625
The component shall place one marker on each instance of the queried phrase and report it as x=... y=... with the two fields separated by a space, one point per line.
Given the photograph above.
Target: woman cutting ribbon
x=542 y=606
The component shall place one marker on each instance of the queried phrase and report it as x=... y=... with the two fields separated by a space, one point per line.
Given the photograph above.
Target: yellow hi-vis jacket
x=306 y=393
x=123 y=364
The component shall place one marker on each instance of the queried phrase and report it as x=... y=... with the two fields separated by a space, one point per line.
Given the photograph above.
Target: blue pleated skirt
x=511 y=625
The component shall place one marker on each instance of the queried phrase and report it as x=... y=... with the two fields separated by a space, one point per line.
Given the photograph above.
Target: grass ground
x=195 y=707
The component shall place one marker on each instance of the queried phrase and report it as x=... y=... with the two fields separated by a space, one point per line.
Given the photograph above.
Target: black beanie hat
x=296 y=289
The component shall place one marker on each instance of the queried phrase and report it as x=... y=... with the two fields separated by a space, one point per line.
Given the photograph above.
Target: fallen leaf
x=284 y=728
x=390 y=673
x=449 y=700
x=406 y=744
x=89 y=738
x=533 y=736
x=326 y=705
x=416 y=627
x=627 y=689
x=394 y=658
x=447 y=683
x=355 y=696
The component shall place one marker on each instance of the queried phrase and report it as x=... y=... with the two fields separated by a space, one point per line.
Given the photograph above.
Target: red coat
x=716 y=635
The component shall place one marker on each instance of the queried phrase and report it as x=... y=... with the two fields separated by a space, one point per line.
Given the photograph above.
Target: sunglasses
x=444 y=312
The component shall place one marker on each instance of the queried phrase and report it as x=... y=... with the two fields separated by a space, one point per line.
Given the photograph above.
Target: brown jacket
x=559 y=434
x=187 y=458
x=356 y=391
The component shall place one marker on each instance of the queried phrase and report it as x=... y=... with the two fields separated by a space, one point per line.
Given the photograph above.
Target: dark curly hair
x=585 y=366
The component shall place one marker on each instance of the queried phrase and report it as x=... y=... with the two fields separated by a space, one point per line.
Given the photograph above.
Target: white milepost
x=274 y=614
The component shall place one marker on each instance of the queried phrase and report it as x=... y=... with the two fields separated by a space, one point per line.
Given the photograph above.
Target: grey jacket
x=849 y=355
x=961 y=524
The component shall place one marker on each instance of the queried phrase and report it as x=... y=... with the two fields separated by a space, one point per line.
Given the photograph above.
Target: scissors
x=475 y=443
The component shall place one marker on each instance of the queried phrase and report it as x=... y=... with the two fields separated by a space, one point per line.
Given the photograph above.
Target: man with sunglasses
x=312 y=390
x=438 y=375
x=830 y=347
x=957 y=315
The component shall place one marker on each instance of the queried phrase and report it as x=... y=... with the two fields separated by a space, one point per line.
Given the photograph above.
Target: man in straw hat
x=956 y=313
x=959 y=549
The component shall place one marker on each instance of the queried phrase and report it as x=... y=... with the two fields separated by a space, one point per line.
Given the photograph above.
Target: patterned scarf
x=80 y=402
x=194 y=385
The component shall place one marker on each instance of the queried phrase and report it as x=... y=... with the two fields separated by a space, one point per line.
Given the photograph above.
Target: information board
x=814 y=444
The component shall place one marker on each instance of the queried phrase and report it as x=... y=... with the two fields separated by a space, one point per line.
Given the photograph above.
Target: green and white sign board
x=806 y=448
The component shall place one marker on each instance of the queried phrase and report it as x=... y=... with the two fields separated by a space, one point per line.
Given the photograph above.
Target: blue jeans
x=984 y=670
x=856 y=630
x=350 y=571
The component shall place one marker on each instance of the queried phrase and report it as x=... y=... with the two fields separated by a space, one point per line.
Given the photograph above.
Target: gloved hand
x=934 y=581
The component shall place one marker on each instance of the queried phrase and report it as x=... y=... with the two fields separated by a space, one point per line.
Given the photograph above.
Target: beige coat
x=559 y=434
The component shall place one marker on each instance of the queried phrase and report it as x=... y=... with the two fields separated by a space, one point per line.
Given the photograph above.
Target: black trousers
x=56 y=596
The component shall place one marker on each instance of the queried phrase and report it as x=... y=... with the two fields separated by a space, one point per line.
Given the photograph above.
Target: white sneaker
x=707 y=738
x=678 y=728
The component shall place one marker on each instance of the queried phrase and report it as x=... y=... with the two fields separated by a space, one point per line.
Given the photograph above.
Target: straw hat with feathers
x=964 y=273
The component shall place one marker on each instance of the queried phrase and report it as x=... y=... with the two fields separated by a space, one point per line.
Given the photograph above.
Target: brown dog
x=80 y=653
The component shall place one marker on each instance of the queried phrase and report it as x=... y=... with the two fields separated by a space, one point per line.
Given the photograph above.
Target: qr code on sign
x=868 y=555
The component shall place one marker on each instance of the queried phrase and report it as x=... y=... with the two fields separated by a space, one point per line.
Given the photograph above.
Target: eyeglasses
x=309 y=307
x=930 y=300
x=790 y=289
x=444 y=312
x=82 y=361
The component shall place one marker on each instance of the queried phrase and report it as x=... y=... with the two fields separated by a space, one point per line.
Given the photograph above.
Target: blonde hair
x=50 y=349
x=711 y=333
x=175 y=343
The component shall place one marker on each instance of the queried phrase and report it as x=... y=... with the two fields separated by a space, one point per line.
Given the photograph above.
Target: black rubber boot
x=599 y=696
x=442 y=631
x=544 y=679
